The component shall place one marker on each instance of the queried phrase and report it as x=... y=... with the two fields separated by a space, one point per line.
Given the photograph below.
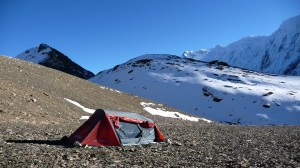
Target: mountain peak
x=52 y=58
x=277 y=53
x=42 y=47
x=291 y=24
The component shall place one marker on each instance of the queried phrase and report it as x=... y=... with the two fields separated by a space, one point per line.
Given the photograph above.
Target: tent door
x=131 y=133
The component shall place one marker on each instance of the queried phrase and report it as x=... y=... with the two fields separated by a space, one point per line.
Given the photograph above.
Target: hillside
x=278 y=53
x=35 y=115
x=213 y=90
x=43 y=92
x=52 y=58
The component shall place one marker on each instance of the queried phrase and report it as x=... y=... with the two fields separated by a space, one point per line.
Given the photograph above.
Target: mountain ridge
x=278 y=53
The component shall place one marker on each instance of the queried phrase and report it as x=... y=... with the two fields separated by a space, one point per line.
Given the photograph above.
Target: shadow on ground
x=47 y=142
x=64 y=141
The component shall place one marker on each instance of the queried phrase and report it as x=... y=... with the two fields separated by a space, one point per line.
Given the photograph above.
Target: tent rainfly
x=112 y=128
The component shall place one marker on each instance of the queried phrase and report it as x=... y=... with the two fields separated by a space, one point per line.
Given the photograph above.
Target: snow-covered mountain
x=278 y=53
x=52 y=58
x=195 y=54
x=211 y=90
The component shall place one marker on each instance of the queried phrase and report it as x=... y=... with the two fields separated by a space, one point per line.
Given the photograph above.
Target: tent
x=113 y=128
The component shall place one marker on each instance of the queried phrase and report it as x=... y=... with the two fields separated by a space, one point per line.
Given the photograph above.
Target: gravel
x=207 y=145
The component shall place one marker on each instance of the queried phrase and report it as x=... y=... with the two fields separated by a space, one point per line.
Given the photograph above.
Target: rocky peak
x=52 y=58
x=42 y=47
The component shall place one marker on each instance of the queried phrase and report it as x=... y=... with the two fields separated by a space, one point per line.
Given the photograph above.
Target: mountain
x=39 y=106
x=278 y=53
x=44 y=93
x=211 y=90
x=52 y=58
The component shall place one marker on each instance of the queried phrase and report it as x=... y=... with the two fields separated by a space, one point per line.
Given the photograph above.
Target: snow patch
x=113 y=90
x=84 y=117
x=171 y=114
x=263 y=116
x=33 y=55
x=297 y=108
x=88 y=110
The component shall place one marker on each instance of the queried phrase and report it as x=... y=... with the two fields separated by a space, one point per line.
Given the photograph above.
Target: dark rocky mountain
x=52 y=58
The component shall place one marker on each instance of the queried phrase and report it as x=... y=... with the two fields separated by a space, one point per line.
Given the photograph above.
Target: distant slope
x=211 y=90
x=52 y=58
x=278 y=53
x=34 y=94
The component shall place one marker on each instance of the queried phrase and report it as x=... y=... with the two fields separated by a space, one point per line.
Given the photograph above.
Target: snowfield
x=34 y=55
x=148 y=108
x=171 y=114
x=211 y=90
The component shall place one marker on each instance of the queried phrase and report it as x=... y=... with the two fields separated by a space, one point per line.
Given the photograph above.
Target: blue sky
x=99 y=34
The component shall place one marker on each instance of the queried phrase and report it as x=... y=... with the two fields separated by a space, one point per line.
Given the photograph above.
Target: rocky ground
x=193 y=145
x=35 y=116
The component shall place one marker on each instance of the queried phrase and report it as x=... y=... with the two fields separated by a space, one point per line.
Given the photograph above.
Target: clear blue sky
x=98 y=34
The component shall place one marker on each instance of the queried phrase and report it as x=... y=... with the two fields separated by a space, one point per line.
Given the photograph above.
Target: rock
x=217 y=99
x=77 y=144
x=267 y=105
x=177 y=143
x=168 y=141
x=268 y=94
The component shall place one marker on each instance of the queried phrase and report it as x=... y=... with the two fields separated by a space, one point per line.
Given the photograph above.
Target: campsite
x=35 y=115
x=111 y=128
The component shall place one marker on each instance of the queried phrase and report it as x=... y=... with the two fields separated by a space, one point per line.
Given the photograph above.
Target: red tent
x=112 y=128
